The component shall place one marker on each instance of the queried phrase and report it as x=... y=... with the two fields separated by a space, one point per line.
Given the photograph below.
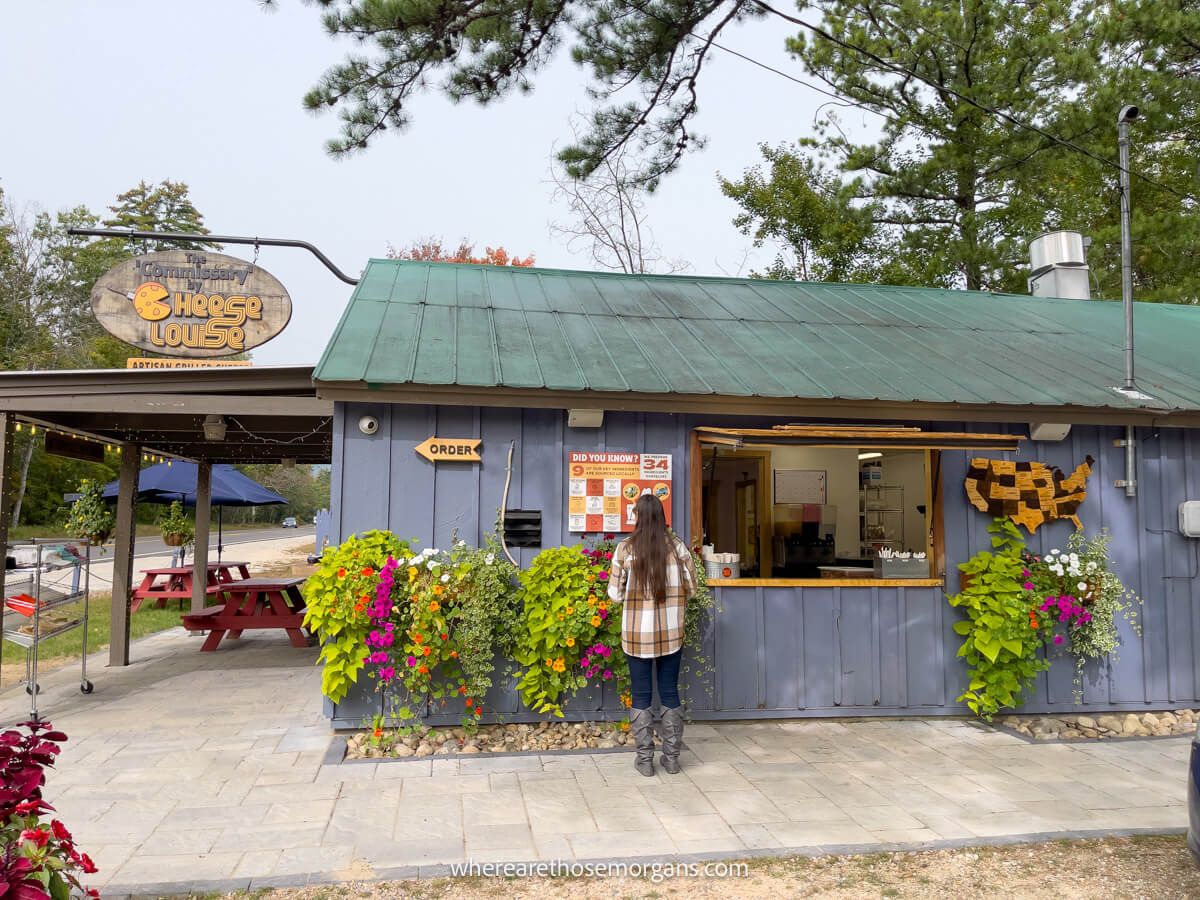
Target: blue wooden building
x=810 y=427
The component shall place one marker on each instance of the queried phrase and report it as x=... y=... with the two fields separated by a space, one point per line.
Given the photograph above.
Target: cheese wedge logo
x=148 y=301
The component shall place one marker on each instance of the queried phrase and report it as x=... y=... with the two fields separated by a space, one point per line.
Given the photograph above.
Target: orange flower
x=434 y=606
x=591 y=579
x=1033 y=623
x=368 y=571
x=445 y=637
x=591 y=598
x=417 y=639
x=424 y=670
x=454 y=654
x=570 y=610
x=427 y=651
x=591 y=601
x=359 y=607
x=595 y=621
x=341 y=573
x=462 y=688
x=604 y=604
x=437 y=590
x=570 y=642
x=469 y=702
x=378 y=732
x=478 y=711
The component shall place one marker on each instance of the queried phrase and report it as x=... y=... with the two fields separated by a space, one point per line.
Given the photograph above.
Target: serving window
x=822 y=504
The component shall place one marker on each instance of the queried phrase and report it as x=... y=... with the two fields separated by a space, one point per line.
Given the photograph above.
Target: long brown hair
x=650 y=547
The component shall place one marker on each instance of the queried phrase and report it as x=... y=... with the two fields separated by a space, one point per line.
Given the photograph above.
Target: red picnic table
x=253 y=603
x=175 y=582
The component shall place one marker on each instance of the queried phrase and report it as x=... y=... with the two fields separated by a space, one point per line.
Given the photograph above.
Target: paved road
x=154 y=546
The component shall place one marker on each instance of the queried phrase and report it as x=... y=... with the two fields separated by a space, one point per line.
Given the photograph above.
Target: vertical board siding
x=816 y=651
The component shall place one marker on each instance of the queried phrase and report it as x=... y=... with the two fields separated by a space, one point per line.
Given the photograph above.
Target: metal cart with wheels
x=38 y=599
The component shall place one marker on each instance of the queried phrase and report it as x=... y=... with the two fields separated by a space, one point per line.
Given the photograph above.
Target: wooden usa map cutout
x=1029 y=493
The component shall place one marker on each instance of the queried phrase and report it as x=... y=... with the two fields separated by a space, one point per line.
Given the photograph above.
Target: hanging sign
x=146 y=362
x=436 y=449
x=603 y=488
x=191 y=303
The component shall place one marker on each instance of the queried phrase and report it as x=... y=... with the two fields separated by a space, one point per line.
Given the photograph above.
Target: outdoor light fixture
x=585 y=418
x=871 y=454
x=214 y=428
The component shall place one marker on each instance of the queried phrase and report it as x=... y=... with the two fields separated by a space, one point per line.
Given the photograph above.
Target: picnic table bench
x=175 y=582
x=253 y=603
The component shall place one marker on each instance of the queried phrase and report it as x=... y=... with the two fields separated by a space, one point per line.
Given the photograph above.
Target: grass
x=67 y=646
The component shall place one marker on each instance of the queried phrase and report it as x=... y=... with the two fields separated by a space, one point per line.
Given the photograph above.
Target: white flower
x=1052 y=553
x=1091 y=567
x=433 y=564
x=1074 y=557
x=1082 y=585
x=445 y=578
x=489 y=559
x=460 y=543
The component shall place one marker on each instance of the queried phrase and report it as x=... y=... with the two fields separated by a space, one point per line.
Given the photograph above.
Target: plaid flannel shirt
x=650 y=629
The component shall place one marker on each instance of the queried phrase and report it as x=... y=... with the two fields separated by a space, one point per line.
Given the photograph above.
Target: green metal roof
x=414 y=323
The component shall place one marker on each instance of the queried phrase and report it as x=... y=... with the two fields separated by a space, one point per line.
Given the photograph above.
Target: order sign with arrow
x=436 y=449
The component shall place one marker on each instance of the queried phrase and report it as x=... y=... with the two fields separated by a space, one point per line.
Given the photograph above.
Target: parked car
x=1193 y=799
x=289 y=522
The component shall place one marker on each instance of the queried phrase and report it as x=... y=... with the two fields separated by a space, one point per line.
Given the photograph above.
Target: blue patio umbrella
x=167 y=482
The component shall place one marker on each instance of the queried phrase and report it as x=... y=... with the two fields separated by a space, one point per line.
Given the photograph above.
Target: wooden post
x=203 y=521
x=6 y=492
x=695 y=472
x=131 y=465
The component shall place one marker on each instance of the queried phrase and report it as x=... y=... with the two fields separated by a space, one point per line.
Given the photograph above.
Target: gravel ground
x=1156 y=868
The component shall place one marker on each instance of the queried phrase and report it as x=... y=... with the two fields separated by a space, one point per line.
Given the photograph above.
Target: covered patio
x=202 y=415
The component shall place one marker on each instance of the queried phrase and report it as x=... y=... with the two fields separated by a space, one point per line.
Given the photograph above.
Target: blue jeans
x=668 y=679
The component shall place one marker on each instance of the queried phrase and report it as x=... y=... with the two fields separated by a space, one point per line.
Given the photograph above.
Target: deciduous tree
x=432 y=249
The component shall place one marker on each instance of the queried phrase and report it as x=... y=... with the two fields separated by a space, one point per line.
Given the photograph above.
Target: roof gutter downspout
x=1127 y=115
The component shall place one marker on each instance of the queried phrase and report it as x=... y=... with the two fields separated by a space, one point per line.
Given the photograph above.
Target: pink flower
x=608 y=556
x=412 y=661
x=1028 y=585
x=387 y=673
x=607 y=674
x=603 y=576
x=1058 y=639
x=1063 y=617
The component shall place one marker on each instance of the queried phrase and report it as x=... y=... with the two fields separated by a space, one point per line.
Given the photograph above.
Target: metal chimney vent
x=1058 y=264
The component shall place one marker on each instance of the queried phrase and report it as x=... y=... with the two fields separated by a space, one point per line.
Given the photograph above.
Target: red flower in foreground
x=38 y=835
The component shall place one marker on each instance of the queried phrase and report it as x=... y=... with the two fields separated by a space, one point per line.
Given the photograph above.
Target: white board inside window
x=800 y=486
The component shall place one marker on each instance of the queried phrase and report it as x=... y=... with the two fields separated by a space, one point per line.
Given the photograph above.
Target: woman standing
x=652 y=577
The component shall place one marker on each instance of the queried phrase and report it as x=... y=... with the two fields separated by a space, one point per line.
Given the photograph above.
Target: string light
x=18 y=426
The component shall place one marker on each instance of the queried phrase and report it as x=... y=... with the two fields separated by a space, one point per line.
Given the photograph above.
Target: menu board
x=602 y=488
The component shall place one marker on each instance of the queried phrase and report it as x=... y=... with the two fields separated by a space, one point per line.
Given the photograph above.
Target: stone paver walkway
x=207 y=771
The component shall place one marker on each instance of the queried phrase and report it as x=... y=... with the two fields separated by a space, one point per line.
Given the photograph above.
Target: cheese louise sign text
x=191 y=303
x=602 y=488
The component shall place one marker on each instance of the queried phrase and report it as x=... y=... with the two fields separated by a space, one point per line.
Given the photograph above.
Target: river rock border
x=1103 y=725
x=511 y=738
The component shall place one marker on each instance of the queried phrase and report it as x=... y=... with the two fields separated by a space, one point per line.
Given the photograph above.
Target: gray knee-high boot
x=672 y=739
x=641 y=723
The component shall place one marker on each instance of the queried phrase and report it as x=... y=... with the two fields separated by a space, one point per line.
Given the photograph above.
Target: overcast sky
x=100 y=95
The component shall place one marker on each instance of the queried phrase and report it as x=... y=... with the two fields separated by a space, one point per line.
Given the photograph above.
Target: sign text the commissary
x=191 y=303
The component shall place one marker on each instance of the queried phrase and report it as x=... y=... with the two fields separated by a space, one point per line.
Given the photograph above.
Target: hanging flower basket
x=174 y=540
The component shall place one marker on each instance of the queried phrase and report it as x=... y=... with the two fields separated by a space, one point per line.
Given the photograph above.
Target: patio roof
x=270 y=413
